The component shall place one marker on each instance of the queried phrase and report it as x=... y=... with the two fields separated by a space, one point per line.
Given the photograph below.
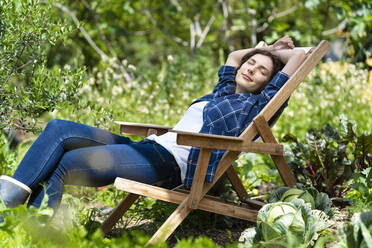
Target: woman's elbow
x=294 y=62
x=232 y=60
x=300 y=53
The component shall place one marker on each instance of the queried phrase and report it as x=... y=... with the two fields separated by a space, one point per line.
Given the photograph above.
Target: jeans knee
x=56 y=124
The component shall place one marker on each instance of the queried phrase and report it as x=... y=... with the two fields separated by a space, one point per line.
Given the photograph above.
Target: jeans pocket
x=158 y=151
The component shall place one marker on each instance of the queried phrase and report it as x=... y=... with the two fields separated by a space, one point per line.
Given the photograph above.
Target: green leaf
x=366 y=234
x=277 y=195
x=268 y=232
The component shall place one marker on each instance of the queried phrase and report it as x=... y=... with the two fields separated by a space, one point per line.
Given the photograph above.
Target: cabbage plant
x=276 y=222
x=318 y=200
x=357 y=233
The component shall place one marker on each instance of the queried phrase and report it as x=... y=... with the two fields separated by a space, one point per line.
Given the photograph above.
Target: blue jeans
x=76 y=154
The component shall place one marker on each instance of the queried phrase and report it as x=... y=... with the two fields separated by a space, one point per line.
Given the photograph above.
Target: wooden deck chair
x=196 y=198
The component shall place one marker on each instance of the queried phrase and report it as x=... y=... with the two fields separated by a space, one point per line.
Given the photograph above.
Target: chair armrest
x=140 y=129
x=225 y=143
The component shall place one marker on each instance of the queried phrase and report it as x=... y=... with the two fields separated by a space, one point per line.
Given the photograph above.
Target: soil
x=221 y=229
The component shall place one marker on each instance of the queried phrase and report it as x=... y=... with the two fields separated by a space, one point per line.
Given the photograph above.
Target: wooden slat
x=245 y=203
x=134 y=124
x=254 y=203
x=199 y=177
x=205 y=136
x=149 y=190
x=151 y=131
x=267 y=136
x=140 y=129
x=118 y=212
x=208 y=203
x=226 y=143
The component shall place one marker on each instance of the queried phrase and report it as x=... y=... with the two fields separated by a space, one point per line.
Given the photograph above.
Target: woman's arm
x=283 y=48
x=235 y=57
x=291 y=58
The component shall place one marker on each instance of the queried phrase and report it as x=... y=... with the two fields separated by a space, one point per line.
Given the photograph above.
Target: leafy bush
x=328 y=159
x=8 y=158
x=27 y=87
x=357 y=233
x=361 y=189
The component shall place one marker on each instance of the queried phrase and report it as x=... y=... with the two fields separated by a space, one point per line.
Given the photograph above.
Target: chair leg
x=237 y=183
x=240 y=190
x=118 y=212
x=173 y=221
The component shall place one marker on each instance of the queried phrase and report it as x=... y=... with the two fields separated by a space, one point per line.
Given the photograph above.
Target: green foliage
x=361 y=188
x=31 y=227
x=27 y=87
x=8 y=159
x=357 y=233
x=146 y=29
x=157 y=96
x=359 y=15
x=294 y=193
x=328 y=159
x=331 y=89
x=256 y=170
x=200 y=242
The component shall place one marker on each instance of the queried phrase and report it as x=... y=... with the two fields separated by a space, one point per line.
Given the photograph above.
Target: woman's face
x=254 y=74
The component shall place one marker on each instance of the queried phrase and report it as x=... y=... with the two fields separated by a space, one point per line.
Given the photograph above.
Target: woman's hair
x=277 y=64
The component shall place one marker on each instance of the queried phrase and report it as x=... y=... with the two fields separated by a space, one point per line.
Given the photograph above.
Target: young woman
x=72 y=153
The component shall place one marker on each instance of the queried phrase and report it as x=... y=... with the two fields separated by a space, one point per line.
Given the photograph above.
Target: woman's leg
x=59 y=137
x=145 y=162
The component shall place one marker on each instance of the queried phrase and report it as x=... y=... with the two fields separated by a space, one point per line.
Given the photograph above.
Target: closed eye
x=251 y=62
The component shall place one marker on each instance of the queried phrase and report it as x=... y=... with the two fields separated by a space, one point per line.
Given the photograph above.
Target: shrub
x=27 y=87
x=328 y=159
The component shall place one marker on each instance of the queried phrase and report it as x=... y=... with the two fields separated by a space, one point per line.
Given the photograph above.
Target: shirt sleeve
x=226 y=78
x=274 y=86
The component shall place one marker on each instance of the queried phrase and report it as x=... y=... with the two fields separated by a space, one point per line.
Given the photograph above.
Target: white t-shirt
x=192 y=121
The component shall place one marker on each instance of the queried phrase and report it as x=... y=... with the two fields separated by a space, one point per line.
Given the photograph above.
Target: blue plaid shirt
x=228 y=113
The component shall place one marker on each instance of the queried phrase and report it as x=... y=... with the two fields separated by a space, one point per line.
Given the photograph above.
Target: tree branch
x=155 y=23
x=275 y=16
x=226 y=23
x=82 y=30
x=177 y=4
x=103 y=36
x=192 y=35
x=15 y=66
x=335 y=29
x=91 y=42
x=205 y=31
